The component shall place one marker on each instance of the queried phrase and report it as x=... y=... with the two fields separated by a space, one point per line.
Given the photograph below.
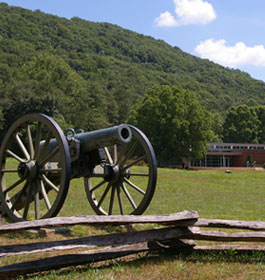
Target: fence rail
x=179 y=231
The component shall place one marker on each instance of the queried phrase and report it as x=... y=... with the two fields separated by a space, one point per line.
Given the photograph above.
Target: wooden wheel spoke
x=98 y=185
x=37 y=140
x=50 y=156
x=9 y=170
x=18 y=182
x=104 y=194
x=129 y=154
x=134 y=186
x=49 y=183
x=115 y=154
x=120 y=199
x=45 y=146
x=134 y=162
x=22 y=147
x=106 y=150
x=128 y=195
x=123 y=149
x=139 y=174
x=111 y=200
x=30 y=142
x=45 y=195
x=28 y=201
x=13 y=155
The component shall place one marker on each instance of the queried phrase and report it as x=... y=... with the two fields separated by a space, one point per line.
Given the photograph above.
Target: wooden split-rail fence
x=174 y=231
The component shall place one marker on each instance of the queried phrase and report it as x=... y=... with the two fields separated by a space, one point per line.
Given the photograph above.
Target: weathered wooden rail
x=179 y=231
x=187 y=217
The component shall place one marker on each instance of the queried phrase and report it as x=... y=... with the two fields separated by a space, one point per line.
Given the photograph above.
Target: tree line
x=90 y=75
x=245 y=124
x=179 y=127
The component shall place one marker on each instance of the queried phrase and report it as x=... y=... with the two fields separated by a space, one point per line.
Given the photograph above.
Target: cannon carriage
x=37 y=162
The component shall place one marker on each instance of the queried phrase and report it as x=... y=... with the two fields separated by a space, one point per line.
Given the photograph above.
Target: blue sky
x=228 y=32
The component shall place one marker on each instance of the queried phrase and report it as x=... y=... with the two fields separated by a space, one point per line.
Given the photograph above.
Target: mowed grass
x=214 y=194
x=239 y=195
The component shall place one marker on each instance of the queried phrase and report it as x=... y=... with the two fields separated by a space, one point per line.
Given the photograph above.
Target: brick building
x=232 y=155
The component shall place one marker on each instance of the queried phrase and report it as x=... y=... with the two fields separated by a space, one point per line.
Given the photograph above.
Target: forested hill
x=92 y=74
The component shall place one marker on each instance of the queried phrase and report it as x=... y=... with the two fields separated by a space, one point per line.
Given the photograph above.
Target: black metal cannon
x=37 y=162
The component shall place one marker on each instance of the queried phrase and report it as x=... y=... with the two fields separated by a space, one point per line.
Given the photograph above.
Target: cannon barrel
x=104 y=137
x=95 y=139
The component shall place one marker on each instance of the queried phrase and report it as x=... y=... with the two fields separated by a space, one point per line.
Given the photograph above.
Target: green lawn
x=214 y=194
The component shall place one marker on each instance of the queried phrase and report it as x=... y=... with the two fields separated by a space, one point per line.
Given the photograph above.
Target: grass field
x=214 y=194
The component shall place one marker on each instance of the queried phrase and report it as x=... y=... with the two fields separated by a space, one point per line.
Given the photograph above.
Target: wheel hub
x=28 y=170
x=112 y=173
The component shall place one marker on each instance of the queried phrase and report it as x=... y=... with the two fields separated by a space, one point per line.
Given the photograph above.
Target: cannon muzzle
x=104 y=137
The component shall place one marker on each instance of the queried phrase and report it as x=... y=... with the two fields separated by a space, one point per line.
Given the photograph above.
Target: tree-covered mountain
x=92 y=74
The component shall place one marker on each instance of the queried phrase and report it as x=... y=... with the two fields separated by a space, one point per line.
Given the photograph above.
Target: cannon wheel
x=35 y=175
x=130 y=182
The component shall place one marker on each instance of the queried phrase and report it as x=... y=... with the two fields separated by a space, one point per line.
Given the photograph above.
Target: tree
x=260 y=111
x=241 y=125
x=97 y=71
x=19 y=107
x=176 y=124
x=50 y=77
x=217 y=122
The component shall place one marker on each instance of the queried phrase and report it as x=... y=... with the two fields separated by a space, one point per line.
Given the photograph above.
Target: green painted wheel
x=35 y=168
x=125 y=184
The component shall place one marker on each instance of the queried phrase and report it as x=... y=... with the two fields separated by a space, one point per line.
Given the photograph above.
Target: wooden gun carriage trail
x=37 y=162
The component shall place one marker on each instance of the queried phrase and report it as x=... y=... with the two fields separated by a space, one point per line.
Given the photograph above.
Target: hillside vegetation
x=88 y=74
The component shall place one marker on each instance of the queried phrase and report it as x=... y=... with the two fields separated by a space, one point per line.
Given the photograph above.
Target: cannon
x=38 y=160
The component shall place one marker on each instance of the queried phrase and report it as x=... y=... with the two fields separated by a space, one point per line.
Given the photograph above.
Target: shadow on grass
x=138 y=261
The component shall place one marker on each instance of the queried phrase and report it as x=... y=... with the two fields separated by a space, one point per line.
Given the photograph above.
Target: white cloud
x=165 y=19
x=194 y=12
x=231 y=56
x=187 y=12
